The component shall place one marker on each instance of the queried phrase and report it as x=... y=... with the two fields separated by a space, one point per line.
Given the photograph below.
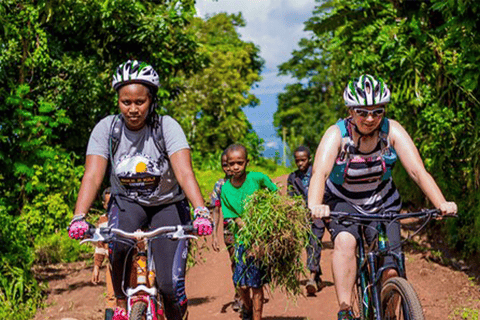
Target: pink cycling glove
x=203 y=225
x=77 y=228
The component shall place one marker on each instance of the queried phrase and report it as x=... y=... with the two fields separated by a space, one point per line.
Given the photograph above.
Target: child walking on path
x=101 y=252
x=297 y=184
x=215 y=203
x=248 y=275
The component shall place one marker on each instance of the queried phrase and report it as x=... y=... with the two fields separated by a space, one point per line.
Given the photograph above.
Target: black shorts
x=393 y=230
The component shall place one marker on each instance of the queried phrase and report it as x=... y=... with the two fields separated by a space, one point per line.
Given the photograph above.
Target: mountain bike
x=394 y=299
x=143 y=302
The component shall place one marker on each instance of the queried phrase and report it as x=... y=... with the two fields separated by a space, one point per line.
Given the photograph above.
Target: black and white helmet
x=366 y=91
x=134 y=71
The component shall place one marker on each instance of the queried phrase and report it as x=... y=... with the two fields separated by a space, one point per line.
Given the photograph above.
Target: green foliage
x=66 y=52
x=19 y=293
x=52 y=190
x=56 y=62
x=58 y=247
x=276 y=232
x=56 y=65
x=466 y=314
x=209 y=108
x=428 y=54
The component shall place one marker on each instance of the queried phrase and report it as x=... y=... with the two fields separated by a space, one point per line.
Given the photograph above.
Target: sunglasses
x=364 y=113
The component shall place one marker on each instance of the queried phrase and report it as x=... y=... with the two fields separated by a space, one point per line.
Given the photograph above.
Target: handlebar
x=385 y=217
x=172 y=232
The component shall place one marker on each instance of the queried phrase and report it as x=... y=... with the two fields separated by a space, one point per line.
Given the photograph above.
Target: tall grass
x=276 y=232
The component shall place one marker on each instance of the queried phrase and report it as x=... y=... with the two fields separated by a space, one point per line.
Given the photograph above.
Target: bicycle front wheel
x=139 y=311
x=400 y=301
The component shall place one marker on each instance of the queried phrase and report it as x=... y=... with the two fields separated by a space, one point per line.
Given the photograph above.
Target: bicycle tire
x=400 y=301
x=357 y=305
x=139 y=311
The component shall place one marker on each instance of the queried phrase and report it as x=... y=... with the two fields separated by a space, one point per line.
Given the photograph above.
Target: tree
x=427 y=51
x=56 y=64
x=210 y=104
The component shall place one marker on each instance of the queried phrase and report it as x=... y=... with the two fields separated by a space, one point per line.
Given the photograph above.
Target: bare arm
x=182 y=168
x=325 y=156
x=413 y=164
x=217 y=218
x=95 y=168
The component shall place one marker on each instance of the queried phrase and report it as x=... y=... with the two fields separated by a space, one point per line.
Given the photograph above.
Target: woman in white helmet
x=151 y=179
x=352 y=173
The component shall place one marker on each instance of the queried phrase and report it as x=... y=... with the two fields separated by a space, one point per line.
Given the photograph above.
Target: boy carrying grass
x=248 y=275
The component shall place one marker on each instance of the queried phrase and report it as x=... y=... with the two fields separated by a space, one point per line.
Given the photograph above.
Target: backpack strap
x=341 y=124
x=157 y=133
x=116 y=129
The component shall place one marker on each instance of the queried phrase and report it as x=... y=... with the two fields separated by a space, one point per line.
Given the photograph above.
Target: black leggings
x=393 y=230
x=170 y=256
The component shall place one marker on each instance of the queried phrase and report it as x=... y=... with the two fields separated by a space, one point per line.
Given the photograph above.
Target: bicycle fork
x=143 y=284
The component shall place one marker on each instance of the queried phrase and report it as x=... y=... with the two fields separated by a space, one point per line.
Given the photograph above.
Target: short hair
x=302 y=149
x=224 y=153
x=105 y=192
x=237 y=147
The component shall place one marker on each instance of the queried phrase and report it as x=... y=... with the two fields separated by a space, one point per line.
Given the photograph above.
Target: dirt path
x=445 y=293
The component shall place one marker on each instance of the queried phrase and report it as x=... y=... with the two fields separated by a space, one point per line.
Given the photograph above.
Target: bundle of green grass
x=276 y=231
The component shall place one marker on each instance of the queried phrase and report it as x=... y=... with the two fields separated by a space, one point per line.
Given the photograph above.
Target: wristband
x=78 y=217
x=201 y=212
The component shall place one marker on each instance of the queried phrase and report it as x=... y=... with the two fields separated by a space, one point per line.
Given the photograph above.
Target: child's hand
x=239 y=222
x=96 y=274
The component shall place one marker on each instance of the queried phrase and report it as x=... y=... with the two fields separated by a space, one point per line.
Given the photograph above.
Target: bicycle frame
x=142 y=280
x=369 y=276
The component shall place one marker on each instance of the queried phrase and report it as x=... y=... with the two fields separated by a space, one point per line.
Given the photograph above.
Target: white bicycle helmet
x=366 y=91
x=134 y=71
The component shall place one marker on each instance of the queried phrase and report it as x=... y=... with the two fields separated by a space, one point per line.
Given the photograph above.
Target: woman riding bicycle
x=352 y=173
x=150 y=174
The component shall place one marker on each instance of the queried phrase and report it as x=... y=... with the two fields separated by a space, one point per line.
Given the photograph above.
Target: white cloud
x=271 y=83
x=271 y=144
x=275 y=26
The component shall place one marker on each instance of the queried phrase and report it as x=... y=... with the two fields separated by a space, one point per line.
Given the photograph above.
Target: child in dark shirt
x=297 y=184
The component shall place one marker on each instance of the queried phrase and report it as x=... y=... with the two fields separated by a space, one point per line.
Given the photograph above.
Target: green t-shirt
x=233 y=199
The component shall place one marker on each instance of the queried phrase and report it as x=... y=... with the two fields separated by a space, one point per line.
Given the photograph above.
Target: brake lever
x=97 y=237
x=180 y=234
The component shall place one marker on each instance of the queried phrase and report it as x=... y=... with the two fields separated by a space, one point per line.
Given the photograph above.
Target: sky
x=276 y=26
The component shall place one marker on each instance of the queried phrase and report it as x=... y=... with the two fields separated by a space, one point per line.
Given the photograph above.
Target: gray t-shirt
x=144 y=174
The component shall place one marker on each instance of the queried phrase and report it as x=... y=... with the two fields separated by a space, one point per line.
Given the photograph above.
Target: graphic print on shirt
x=140 y=174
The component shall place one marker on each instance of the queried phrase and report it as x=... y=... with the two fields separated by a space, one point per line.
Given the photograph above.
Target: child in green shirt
x=248 y=276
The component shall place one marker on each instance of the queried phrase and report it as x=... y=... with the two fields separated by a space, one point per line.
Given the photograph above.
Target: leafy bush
x=58 y=247
x=20 y=295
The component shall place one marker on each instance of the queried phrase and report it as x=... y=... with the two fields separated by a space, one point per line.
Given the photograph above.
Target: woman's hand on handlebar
x=448 y=208
x=78 y=227
x=202 y=221
x=320 y=211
